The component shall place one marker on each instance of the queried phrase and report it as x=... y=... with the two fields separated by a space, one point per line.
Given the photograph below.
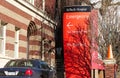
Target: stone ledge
x=109 y=61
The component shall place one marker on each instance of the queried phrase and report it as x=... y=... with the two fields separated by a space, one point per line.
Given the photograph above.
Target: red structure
x=96 y=62
x=77 y=57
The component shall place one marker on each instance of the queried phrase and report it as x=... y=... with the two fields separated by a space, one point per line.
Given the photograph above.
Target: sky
x=98 y=5
x=92 y=1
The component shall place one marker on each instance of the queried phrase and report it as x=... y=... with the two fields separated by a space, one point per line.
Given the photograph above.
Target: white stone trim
x=14 y=15
x=43 y=5
x=16 y=45
x=109 y=61
x=3 y=43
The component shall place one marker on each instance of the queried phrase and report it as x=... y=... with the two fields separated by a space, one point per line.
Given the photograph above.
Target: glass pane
x=31 y=1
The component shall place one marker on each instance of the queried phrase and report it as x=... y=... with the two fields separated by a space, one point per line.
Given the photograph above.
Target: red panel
x=96 y=62
x=77 y=58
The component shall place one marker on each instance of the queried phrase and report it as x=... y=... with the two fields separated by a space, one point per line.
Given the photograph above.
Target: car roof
x=27 y=60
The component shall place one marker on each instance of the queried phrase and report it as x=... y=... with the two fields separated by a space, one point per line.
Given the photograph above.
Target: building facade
x=27 y=30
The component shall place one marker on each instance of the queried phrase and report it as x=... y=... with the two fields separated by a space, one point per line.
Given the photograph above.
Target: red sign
x=76 y=44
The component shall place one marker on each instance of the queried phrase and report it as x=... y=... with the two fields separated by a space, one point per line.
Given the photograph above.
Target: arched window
x=32 y=30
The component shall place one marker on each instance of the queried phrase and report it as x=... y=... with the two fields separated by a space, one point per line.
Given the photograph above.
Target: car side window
x=21 y=64
x=44 y=66
x=29 y=64
x=10 y=64
x=24 y=63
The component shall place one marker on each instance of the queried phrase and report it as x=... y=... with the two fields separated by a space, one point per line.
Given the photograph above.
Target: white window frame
x=31 y=1
x=16 y=44
x=3 y=38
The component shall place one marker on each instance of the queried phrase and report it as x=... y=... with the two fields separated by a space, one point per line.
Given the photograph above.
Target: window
x=19 y=63
x=44 y=65
x=31 y=1
x=1 y=32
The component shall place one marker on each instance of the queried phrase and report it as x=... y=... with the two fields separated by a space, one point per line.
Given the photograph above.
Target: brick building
x=27 y=30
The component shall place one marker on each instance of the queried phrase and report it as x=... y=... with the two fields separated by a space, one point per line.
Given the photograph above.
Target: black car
x=26 y=68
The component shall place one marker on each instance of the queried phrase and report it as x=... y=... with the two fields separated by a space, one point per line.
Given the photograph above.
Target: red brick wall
x=50 y=7
x=38 y=4
x=109 y=71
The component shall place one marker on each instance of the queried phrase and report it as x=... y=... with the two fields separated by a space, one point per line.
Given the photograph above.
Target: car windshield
x=19 y=63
